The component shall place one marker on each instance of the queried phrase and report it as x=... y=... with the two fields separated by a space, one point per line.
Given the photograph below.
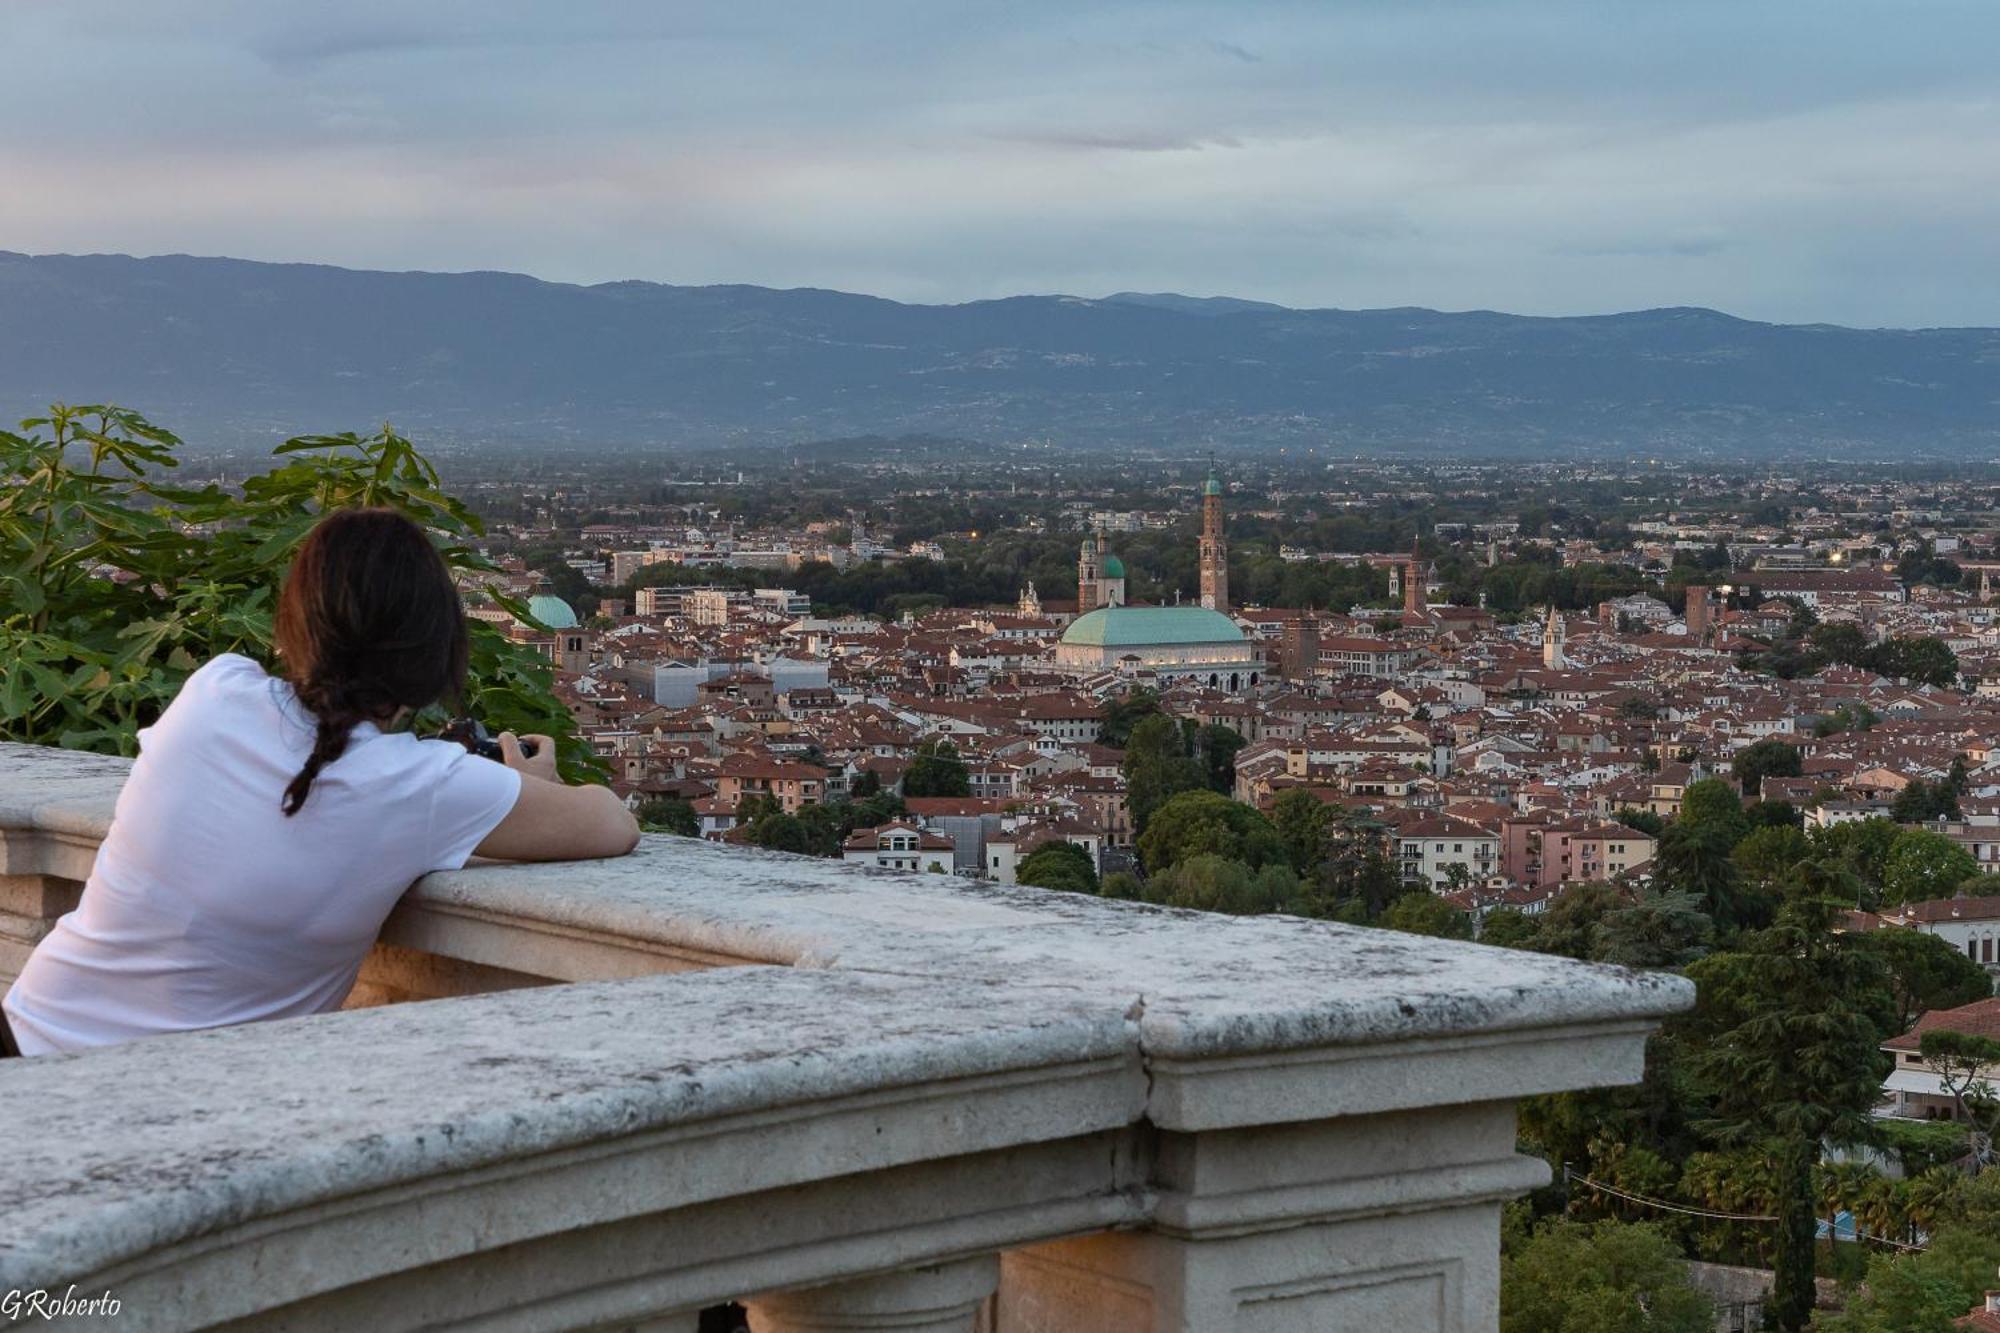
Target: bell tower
x=1214 y=548
x=1089 y=572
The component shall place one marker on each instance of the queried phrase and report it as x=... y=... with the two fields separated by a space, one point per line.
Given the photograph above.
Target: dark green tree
x=781 y=833
x=1927 y=1291
x=1126 y=712
x=1058 y=865
x=1698 y=859
x=1768 y=758
x=1421 y=912
x=1215 y=747
x=1301 y=821
x=1643 y=820
x=1507 y=928
x=668 y=814
x=1923 y=800
x=1600 y=1277
x=1157 y=767
x=1923 y=864
x=1802 y=1066
x=937 y=771
x=1712 y=805
x=1659 y=930
x=1926 y=973
x=1212 y=883
x=1201 y=822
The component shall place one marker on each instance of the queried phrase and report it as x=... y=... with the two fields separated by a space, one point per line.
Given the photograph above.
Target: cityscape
x=1047 y=669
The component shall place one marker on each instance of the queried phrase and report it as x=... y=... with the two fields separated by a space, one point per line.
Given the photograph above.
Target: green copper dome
x=552 y=611
x=1213 y=486
x=1119 y=626
x=1114 y=568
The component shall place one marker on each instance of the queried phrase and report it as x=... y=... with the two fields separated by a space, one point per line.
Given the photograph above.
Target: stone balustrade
x=849 y=1098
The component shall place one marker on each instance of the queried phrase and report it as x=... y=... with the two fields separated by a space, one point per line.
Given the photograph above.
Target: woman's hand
x=541 y=764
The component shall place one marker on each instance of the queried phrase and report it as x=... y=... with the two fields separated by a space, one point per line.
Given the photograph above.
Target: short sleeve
x=194 y=704
x=468 y=800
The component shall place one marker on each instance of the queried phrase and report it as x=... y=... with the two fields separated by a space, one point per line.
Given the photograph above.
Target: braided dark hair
x=368 y=623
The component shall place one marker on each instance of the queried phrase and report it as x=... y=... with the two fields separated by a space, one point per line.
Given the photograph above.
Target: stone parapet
x=642 y=1086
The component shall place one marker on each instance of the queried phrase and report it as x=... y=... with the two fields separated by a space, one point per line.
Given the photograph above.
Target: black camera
x=472 y=734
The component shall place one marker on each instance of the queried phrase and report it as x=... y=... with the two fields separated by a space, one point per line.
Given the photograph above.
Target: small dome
x=552 y=611
x=1114 y=568
x=1213 y=486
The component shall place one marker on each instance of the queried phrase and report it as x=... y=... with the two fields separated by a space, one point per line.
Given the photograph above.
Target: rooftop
x=1119 y=626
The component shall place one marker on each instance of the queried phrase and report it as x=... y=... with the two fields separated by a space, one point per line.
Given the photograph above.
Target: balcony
x=627 y=1090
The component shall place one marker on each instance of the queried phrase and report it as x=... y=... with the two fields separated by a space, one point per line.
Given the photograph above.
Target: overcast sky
x=1798 y=160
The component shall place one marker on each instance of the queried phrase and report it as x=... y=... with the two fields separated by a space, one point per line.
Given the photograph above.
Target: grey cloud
x=1783 y=159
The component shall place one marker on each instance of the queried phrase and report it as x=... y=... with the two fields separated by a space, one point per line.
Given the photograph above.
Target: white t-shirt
x=208 y=906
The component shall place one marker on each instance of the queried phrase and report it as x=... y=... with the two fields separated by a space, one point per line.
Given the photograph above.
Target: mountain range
x=235 y=352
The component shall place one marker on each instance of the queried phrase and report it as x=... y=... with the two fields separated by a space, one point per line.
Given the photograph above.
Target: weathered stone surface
x=1293 y=1100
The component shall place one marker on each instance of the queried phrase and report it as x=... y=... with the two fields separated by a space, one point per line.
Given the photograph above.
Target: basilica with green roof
x=1174 y=643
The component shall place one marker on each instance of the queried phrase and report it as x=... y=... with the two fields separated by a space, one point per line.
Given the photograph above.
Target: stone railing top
x=127 y=1150
x=873 y=985
x=1206 y=984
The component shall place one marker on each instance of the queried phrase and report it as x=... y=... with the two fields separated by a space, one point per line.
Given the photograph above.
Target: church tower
x=1030 y=604
x=1111 y=586
x=1088 y=574
x=1554 y=632
x=1415 y=594
x=1214 y=550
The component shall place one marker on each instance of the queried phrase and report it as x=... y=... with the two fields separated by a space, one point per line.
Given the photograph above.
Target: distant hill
x=234 y=352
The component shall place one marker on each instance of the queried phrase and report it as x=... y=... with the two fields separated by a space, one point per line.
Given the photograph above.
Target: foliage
x=1922 y=1292
x=1923 y=1145
x=1507 y=928
x=1123 y=885
x=1713 y=805
x=1847 y=717
x=1961 y=1061
x=1922 y=800
x=1801 y=1066
x=1302 y=823
x=1157 y=767
x=1768 y=758
x=1058 y=865
x=1767 y=855
x=1659 y=930
x=937 y=771
x=1570 y=925
x=1923 y=659
x=1643 y=820
x=1862 y=843
x=1698 y=859
x=668 y=814
x=1923 y=864
x=114 y=585
x=816 y=830
x=1125 y=712
x=1212 y=883
x=1602 y=1277
x=1925 y=973
x=1421 y=912
x=1194 y=823
x=1214 y=747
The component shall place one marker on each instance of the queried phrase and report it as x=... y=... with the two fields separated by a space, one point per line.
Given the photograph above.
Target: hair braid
x=369 y=623
x=336 y=716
